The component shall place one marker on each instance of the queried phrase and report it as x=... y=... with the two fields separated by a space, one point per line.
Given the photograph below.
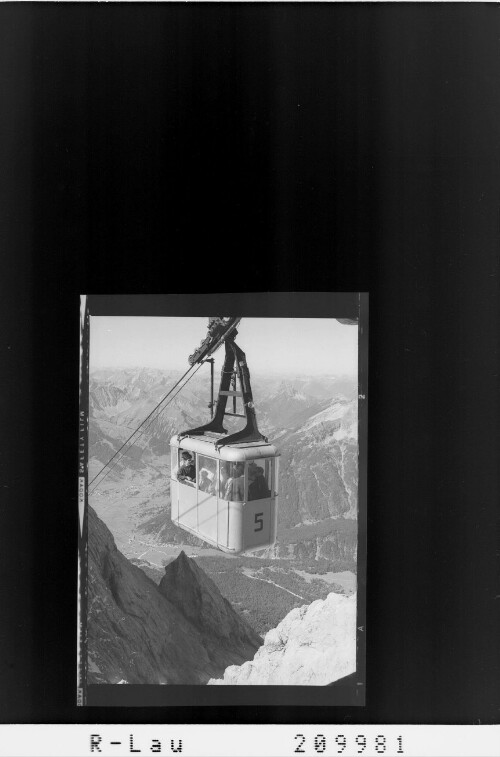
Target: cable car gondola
x=224 y=487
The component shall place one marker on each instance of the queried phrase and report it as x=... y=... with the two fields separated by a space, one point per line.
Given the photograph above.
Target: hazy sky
x=309 y=346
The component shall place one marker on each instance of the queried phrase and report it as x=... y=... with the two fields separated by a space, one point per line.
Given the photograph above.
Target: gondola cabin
x=228 y=496
x=224 y=487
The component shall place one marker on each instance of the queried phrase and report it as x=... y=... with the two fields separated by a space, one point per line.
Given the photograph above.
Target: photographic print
x=308 y=153
x=220 y=499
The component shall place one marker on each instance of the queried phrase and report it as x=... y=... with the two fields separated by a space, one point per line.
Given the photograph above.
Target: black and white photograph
x=249 y=466
x=222 y=461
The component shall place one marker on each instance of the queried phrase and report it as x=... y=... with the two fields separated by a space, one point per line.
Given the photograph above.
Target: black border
x=250 y=304
x=83 y=478
x=347 y=692
x=138 y=137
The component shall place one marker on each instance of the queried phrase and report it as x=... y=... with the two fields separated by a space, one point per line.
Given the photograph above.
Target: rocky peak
x=287 y=389
x=197 y=597
x=141 y=633
x=314 y=645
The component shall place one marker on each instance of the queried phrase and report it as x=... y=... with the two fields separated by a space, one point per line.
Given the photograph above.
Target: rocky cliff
x=319 y=467
x=197 y=597
x=314 y=645
x=182 y=632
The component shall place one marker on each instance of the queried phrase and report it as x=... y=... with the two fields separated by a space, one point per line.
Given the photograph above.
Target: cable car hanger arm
x=219 y=329
x=235 y=365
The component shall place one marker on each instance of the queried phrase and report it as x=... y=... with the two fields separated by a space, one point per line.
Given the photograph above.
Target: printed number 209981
x=357 y=746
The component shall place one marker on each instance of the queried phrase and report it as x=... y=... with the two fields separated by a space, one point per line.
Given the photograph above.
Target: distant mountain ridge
x=194 y=594
x=319 y=466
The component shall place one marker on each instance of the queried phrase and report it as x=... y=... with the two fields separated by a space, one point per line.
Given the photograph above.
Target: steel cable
x=142 y=424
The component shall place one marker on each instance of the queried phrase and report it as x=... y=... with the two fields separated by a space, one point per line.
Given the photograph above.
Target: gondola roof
x=205 y=445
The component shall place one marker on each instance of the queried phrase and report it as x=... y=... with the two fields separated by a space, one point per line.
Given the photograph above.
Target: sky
x=291 y=346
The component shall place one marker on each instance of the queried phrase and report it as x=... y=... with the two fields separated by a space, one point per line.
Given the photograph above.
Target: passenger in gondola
x=257 y=487
x=187 y=468
x=205 y=483
x=223 y=479
x=235 y=488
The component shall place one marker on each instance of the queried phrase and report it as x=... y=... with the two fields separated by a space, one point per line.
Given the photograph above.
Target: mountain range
x=183 y=631
x=316 y=436
x=313 y=423
x=178 y=632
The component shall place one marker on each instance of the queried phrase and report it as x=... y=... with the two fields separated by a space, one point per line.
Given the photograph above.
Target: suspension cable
x=173 y=398
x=142 y=424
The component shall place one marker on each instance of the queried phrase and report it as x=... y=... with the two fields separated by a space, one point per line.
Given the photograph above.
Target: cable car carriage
x=224 y=487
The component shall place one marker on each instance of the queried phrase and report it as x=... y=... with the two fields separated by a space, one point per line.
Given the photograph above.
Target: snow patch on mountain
x=314 y=645
x=341 y=413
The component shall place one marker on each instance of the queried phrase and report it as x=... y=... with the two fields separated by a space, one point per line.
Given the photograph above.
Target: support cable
x=142 y=424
